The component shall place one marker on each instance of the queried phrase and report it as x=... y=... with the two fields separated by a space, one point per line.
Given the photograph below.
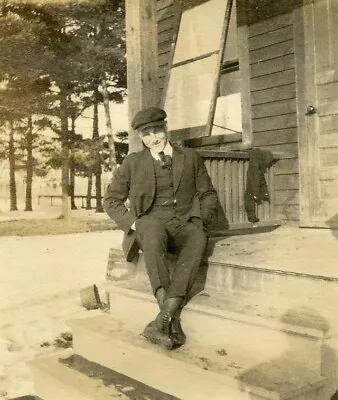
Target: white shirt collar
x=168 y=151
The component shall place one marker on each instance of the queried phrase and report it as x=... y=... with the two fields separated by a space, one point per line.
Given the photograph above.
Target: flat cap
x=151 y=116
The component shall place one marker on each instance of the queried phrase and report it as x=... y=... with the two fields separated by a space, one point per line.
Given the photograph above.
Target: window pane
x=200 y=30
x=229 y=83
x=228 y=116
x=195 y=65
x=189 y=93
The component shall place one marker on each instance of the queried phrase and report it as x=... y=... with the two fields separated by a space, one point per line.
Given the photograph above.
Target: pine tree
x=70 y=50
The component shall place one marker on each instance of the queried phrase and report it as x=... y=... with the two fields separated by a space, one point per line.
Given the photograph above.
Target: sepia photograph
x=168 y=199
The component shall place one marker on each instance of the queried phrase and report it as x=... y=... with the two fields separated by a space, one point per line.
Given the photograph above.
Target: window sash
x=192 y=89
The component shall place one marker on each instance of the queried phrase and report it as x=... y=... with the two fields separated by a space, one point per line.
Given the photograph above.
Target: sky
x=119 y=119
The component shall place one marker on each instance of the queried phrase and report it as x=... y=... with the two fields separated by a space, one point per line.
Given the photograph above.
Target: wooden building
x=235 y=75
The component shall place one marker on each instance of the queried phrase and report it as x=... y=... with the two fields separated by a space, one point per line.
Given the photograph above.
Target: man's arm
x=206 y=193
x=116 y=194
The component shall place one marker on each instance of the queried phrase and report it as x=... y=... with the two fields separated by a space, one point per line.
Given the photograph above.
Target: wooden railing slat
x=271 y=188
x=221 y=184
x=241 y=191
x=234 y=189
x=228 y=186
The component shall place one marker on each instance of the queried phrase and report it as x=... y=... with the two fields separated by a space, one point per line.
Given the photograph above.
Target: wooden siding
x=168 y=16
x=273 y=105
x=266 y=10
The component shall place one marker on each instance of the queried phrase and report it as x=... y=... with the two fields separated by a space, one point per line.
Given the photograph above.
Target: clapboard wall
x=168 y=17
x=273 y=104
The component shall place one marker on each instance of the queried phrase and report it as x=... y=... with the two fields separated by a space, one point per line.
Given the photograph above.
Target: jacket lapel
x=150 y=172
x=178 y=165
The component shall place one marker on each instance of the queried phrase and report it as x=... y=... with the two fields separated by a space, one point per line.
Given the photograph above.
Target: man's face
x=155 y=138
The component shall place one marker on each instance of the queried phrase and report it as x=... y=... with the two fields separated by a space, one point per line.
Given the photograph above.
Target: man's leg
x=190 y=242
x=152 y=237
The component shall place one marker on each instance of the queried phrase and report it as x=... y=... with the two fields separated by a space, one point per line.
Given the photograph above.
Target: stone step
x=68 y=376
x=224 y=358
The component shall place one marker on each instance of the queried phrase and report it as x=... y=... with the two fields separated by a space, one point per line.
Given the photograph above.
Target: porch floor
x=304 y=251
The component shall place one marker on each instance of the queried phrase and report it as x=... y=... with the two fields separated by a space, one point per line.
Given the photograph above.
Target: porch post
x=142 y=61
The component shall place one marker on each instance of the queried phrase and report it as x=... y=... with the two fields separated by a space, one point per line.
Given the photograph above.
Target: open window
x=203 y=95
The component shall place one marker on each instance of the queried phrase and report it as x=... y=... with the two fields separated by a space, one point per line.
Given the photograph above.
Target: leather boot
x=152 y=332
x=177 y=334
x=154 y=335
x=170 y=306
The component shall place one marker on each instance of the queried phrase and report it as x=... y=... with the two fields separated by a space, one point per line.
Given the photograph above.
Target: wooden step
x=222 y=355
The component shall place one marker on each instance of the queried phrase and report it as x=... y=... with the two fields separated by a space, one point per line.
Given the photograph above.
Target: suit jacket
x=135 y=179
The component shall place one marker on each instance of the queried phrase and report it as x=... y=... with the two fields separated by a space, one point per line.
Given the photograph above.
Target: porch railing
x=228 y=171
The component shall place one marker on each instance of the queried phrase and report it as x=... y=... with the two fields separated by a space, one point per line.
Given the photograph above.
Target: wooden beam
x=304 y=69
x=142 y=61
x=244 y=70
x=213 y=140
x=223 y=42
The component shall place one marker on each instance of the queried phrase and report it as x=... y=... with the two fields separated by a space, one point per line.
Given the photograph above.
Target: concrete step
x=224 y=358
x=54 y=380
x=284 y=288
x=68 y=376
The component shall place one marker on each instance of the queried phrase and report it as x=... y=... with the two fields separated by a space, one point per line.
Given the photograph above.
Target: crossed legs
x=171 y=288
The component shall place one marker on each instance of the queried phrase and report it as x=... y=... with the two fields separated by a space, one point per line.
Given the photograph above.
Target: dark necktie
x=166 y=160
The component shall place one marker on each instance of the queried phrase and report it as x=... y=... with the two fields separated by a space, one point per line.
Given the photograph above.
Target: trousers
x=155 y=237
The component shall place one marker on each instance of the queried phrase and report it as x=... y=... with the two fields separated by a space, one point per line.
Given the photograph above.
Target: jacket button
x=175 y=201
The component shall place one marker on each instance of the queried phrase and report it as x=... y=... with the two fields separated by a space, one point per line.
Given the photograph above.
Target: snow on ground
x=33 y=267
x=39 y=290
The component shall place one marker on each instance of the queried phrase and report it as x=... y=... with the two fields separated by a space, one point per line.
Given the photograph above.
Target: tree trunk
x=112 y=155
x=98 y=169
x=29 y=165
x=72 y=170
x=65 y=209
x=89 y=191
x=12 y=183
x=98 y=185
x=72 y=185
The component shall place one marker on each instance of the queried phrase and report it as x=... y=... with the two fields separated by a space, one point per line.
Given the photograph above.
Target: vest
x=163 y=206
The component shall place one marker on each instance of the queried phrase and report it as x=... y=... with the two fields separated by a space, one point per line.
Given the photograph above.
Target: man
x=172 y=201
